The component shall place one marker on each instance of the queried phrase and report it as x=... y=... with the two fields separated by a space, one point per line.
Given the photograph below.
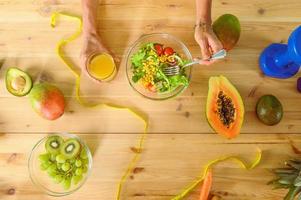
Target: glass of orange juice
x=101 y=67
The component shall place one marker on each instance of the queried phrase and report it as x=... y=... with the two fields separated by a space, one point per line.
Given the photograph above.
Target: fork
x=175 y=70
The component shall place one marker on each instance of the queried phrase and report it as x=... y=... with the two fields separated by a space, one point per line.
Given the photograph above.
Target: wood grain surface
x=180 y=140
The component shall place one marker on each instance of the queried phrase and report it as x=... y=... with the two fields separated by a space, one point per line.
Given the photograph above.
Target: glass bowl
x=40 y=177
x=166 y=40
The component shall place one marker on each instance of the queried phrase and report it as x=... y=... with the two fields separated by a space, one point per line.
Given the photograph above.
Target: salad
x=147 y=65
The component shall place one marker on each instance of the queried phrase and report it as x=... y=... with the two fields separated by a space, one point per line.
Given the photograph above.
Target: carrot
x=206 y=187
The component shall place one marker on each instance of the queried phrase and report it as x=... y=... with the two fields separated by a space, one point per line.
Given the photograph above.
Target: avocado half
x=18 y=82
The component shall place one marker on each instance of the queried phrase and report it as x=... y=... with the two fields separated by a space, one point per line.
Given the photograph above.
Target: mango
x=47 y=100
x=227 y=29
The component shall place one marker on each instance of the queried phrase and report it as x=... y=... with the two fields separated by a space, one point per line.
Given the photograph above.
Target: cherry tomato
x=159 y=49
x=151 y=87
x=168 y=51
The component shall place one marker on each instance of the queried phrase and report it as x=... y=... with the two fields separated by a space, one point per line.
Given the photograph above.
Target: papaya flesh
x=225 y=108
x=227 y=29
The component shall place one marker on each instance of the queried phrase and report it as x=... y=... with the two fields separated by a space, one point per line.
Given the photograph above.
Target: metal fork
x=175 y=70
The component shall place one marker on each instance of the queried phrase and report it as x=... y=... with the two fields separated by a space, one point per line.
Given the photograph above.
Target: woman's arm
x=92 y=42
x=89 y=8
x=203 y=11
x=204 y=34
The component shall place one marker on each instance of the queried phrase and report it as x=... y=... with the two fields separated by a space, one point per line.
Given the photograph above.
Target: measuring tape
x=211 y=163
x=187 y=190
x=61 y=54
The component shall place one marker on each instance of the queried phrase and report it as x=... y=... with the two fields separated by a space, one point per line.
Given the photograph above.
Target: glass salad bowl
x=146 y=59
x=59 y=164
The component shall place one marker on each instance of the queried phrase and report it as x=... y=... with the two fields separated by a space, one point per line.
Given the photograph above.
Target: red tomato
x=168 y=51
x=151 y=87
x=159 y=49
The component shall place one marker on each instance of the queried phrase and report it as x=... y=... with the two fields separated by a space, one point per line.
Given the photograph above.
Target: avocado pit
x=18 y=83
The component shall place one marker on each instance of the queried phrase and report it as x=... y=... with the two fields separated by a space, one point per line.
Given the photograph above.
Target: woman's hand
x=207 y=41
x=91 y=44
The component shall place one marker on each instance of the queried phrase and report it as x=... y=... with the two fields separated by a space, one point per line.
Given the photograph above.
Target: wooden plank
x=170 y=162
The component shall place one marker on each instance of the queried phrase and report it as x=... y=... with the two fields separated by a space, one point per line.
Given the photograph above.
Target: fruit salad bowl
x=59 y=164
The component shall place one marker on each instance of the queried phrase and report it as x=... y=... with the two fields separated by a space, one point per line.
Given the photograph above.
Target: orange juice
x=101 y=67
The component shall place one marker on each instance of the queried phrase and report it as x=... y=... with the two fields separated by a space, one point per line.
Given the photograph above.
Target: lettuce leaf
x=137 y=59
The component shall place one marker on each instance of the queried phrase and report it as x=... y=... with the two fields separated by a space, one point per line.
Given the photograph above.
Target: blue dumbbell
x=281 y=60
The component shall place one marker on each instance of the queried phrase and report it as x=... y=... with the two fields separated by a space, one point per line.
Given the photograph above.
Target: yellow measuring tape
x=61 y=54
x=211 y=163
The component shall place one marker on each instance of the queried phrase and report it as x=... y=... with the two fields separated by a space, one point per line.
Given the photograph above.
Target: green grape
x=76 y=179
x=79 y=171
x=85 y=169
x=51 y=173
x=72 y=161
x=44 y=157
x=67 y=183
x=83 y=154
x=53 y=157
x=66 y=167
x=58 y=178
x=44 y=166
x=52 y=170
x=85 y=161
x=52 y=167
x=60 y=158
x=59 y=165
x=78 y=163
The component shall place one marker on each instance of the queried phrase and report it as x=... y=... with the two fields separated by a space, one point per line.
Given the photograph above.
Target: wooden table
x=180 y=141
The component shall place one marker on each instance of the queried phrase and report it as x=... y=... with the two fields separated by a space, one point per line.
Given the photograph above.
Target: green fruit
x=83 y=154
x=58 y=178
x=67 y=183
x=59 y=165
x=78 y=163
x=85 y=169
x=44 y=165
x=18 y=82
x=227 y=29
x=52 y=157
x=85 y=161
x=71 y=148
x=52 y=170
x=53 y=144
x=269 y=110
x=66 y=166
x=60 y=158
x=79 y=171
x=47 y=100
x=76 y=179
x=44 y=157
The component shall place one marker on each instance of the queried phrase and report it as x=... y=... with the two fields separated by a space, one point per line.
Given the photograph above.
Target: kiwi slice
x=53 y=144
x=71 y=148
x=18 y=82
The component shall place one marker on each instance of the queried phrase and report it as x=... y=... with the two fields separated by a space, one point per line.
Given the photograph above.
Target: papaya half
x=227 y=29
x=225 y=108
